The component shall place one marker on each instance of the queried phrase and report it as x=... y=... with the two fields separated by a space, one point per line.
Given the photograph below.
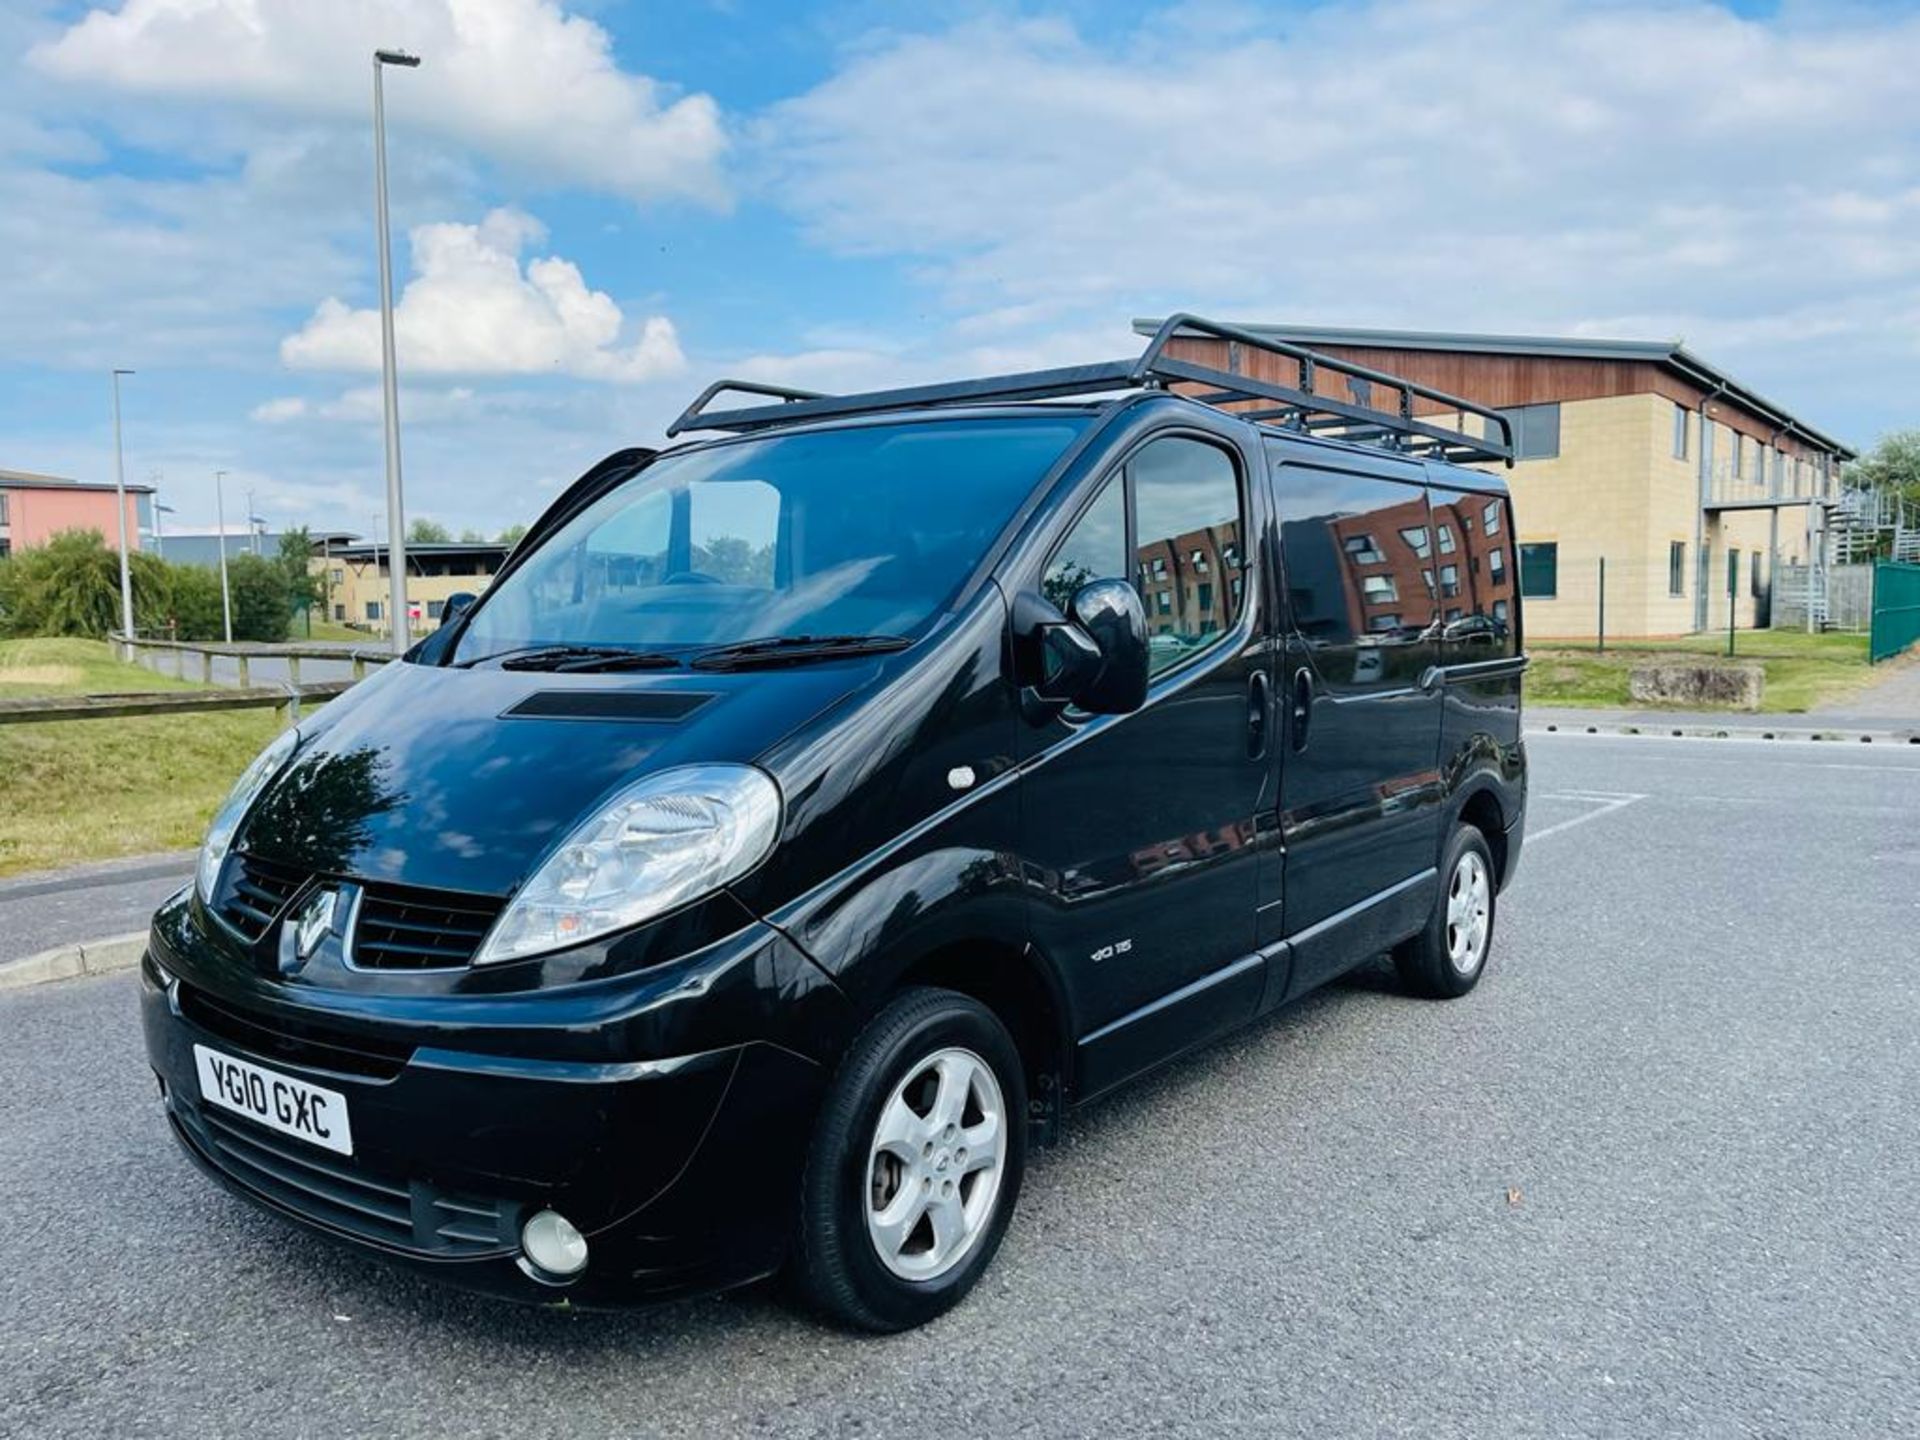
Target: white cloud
x=520 y=80
x=278 y=411
x=471 y=309
x=1441 y=163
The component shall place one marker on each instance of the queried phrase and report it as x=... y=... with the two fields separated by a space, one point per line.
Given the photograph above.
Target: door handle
x=1259 y=704
x=1300 y=707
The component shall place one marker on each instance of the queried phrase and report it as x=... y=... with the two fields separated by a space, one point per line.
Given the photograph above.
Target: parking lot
x=1656 y=1176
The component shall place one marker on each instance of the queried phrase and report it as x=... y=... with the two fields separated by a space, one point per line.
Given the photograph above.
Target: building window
x=339 y=575
x=1427 y=575
x=1540 y=570
x=1536 y=431
x=1380 y=589
x=1166 y=602
x=1490 y=517
x=1677 y=568
x=340 y=613
x=1679 y=432
x=1449 y=581
x=373 y=609
x=1497 y=562
x=1500 y=611
x=434 y=607
x=1753 y=583
x=6 y=547
x=3 y=507
x=1361 y=548
x=1446 y=539
x=1417 y=538
x=1739 y=454
x=1199 y=558
x=1384 y=622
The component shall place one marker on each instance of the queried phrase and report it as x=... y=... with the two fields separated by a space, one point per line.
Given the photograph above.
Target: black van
x=805 y=817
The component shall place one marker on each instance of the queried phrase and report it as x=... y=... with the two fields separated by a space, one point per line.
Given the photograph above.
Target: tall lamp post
x=220 y=520
x=396 y=519
x=120 y=509
x=160 y=527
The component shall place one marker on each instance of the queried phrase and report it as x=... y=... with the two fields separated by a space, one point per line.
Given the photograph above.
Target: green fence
x=1896 y=610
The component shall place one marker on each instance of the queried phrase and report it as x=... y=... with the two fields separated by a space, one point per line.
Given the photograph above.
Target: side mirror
x=1094 y=657
x=1109 y=613
x=457 y=604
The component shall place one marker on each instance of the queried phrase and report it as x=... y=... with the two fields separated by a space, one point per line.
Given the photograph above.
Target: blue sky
x=599 y=207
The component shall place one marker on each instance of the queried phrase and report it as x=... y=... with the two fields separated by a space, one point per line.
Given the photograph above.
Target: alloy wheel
x=1469 y=911
x=935 y=1163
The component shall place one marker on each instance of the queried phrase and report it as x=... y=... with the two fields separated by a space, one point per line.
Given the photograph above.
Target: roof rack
x=1297 y=408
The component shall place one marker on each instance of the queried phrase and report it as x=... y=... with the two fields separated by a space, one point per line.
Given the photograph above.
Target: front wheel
x=915 y=1164
x=1447 y=958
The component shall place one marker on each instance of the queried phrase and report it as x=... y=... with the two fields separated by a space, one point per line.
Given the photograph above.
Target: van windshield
x=864 y=531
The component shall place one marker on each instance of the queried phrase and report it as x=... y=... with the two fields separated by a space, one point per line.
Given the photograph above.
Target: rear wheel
x=1447 y=958
x=915 y=1165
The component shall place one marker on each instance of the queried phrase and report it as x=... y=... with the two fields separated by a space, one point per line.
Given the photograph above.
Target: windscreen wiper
x=794 y=650
x=577 y=658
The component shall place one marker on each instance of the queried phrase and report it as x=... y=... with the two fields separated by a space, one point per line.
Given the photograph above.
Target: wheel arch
x=1480 y=807
x=1022 y=991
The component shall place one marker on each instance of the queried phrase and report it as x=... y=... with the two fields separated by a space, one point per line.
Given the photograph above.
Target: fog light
x=553 y=1244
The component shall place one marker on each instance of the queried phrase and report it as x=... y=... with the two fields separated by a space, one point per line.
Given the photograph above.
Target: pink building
x=35 y=508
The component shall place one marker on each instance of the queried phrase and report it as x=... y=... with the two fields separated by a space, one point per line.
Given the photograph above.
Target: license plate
x=280 y=1102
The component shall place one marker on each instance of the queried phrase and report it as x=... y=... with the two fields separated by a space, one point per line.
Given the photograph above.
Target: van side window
x=1189 y=555
x=1367 y=609
x=1484 y=588
x=1095 y=549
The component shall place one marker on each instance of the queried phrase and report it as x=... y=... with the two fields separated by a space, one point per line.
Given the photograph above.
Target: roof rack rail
x=1299 y=407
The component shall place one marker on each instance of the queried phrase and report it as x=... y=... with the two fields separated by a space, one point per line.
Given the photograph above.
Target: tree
x=295 y=559
x=471 y=536
x=512 y=535
x=1893 y=464
x=427 y=532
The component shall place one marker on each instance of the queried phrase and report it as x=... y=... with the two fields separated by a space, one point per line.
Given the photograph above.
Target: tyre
x=1447 y=958
x=915 y=1164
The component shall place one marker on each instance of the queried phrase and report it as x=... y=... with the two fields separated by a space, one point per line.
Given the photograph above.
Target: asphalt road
x=1657 y=1176
x=88 y=902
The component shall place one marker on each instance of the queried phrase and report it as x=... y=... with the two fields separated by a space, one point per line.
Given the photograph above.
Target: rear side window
x=1477 y=585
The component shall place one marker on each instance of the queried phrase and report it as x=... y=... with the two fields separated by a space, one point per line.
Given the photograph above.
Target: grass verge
x=1802 y=670
x=77 y=790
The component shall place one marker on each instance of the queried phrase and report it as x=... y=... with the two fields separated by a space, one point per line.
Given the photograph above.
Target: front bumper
x=677 y=1170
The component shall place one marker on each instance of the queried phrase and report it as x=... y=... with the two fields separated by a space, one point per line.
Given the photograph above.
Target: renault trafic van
x=809 y=814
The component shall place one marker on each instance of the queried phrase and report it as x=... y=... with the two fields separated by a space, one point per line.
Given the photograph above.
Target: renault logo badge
x=314 y=922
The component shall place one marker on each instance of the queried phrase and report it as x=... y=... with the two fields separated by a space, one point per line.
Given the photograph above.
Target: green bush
x=262 y=604
x=71 y=586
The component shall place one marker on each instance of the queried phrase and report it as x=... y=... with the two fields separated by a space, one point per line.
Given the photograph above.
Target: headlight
x=661 y=842
x=226 y=820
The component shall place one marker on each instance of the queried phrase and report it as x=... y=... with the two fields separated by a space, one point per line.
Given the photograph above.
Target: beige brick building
x=1689 y=485
x=355 y=578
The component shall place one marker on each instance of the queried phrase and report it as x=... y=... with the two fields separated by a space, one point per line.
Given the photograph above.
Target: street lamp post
x=396 y=519
x=220 y=520
x=120 y=509
x=160 y=526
